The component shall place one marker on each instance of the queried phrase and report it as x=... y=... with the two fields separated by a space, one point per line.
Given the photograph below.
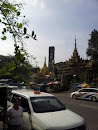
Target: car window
x=85 y=90
x=15 y=96
x=46 y=104
x=82 y=90
x=24 y=103
x=94 y=90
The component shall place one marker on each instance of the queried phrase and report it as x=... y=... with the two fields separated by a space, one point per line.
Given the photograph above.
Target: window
x=15 y=96
x=46 y=104
x=85 y=90
x=24 y=103
x=94 y=90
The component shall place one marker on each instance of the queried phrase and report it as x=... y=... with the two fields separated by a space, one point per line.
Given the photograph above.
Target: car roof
x=30 y=93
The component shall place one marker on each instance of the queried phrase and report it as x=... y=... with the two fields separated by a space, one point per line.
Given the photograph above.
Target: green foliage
x=11 y=12
x=7 y=69
x=92 y=50
x=18 y=13
x=10 y=68
x=27 y=36
x=3 y=38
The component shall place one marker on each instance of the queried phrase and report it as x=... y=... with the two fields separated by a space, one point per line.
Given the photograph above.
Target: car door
x=26 y=124
x=83 y=93
x=26 y=119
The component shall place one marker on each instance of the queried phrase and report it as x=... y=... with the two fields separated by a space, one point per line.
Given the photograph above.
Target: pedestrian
x=14 y=114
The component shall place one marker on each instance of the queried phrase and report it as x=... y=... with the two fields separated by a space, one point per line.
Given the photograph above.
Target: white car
x=86 y=93
x=44 y=111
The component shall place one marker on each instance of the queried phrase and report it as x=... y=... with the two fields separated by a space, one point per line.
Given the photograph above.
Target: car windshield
x=46 y=104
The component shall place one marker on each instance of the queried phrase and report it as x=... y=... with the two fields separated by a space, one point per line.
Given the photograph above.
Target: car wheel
x=94 y=99
x=74 y=96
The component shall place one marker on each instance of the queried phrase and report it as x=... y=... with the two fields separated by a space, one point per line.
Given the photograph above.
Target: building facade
x=51 y=57
x=76 y=67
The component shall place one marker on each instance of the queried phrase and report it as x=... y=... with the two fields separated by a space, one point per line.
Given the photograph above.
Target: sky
x=56 y=23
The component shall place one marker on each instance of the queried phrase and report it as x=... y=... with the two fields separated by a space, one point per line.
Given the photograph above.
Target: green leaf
x=3 y=38
x=6 y=10
x=13 y=68
x=9 y=6
x=7 y=73
x=13 y=8
x=8 y=27
x=27 y=36
x=15 y=45
x=4 y=5
x=16 y=77
x=18 y=13
x=4 y=29
x=19 y=25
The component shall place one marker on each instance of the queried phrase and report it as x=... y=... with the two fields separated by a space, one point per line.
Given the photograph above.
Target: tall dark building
x=51 y=56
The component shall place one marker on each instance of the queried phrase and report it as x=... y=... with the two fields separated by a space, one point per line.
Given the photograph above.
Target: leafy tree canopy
x=8 y=69
x=92 y=50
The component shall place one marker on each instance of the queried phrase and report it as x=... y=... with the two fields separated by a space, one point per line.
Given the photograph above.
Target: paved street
x=87 y=109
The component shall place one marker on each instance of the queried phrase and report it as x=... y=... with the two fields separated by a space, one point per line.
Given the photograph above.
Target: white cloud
x=43 y=5
x=37 y=3
x=34 y=3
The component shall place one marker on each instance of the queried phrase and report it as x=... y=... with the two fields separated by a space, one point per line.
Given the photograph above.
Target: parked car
x=43 y=111
x=86 y=93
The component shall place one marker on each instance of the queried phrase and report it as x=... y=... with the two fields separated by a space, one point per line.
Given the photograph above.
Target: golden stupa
x=44 y=70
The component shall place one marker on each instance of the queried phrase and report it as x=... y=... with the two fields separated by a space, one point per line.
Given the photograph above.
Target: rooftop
x=30 y=93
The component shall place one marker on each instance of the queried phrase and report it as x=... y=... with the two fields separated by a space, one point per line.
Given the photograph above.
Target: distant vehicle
x=4 y=81
x=13 y=87
x=86 y=93
x=43 y=111
x=25 y=87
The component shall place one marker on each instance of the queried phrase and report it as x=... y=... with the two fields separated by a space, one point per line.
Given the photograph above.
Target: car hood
x=61 y=119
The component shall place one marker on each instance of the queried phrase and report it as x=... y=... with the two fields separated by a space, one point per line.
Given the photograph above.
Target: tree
x=92 y=50
x=4 y=60
x=11 y=12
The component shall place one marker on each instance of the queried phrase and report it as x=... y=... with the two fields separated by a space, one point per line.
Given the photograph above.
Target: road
x=87 y=109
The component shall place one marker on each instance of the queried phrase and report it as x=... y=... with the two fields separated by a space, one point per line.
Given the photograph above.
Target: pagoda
x=44 y=70
x=76 y=60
